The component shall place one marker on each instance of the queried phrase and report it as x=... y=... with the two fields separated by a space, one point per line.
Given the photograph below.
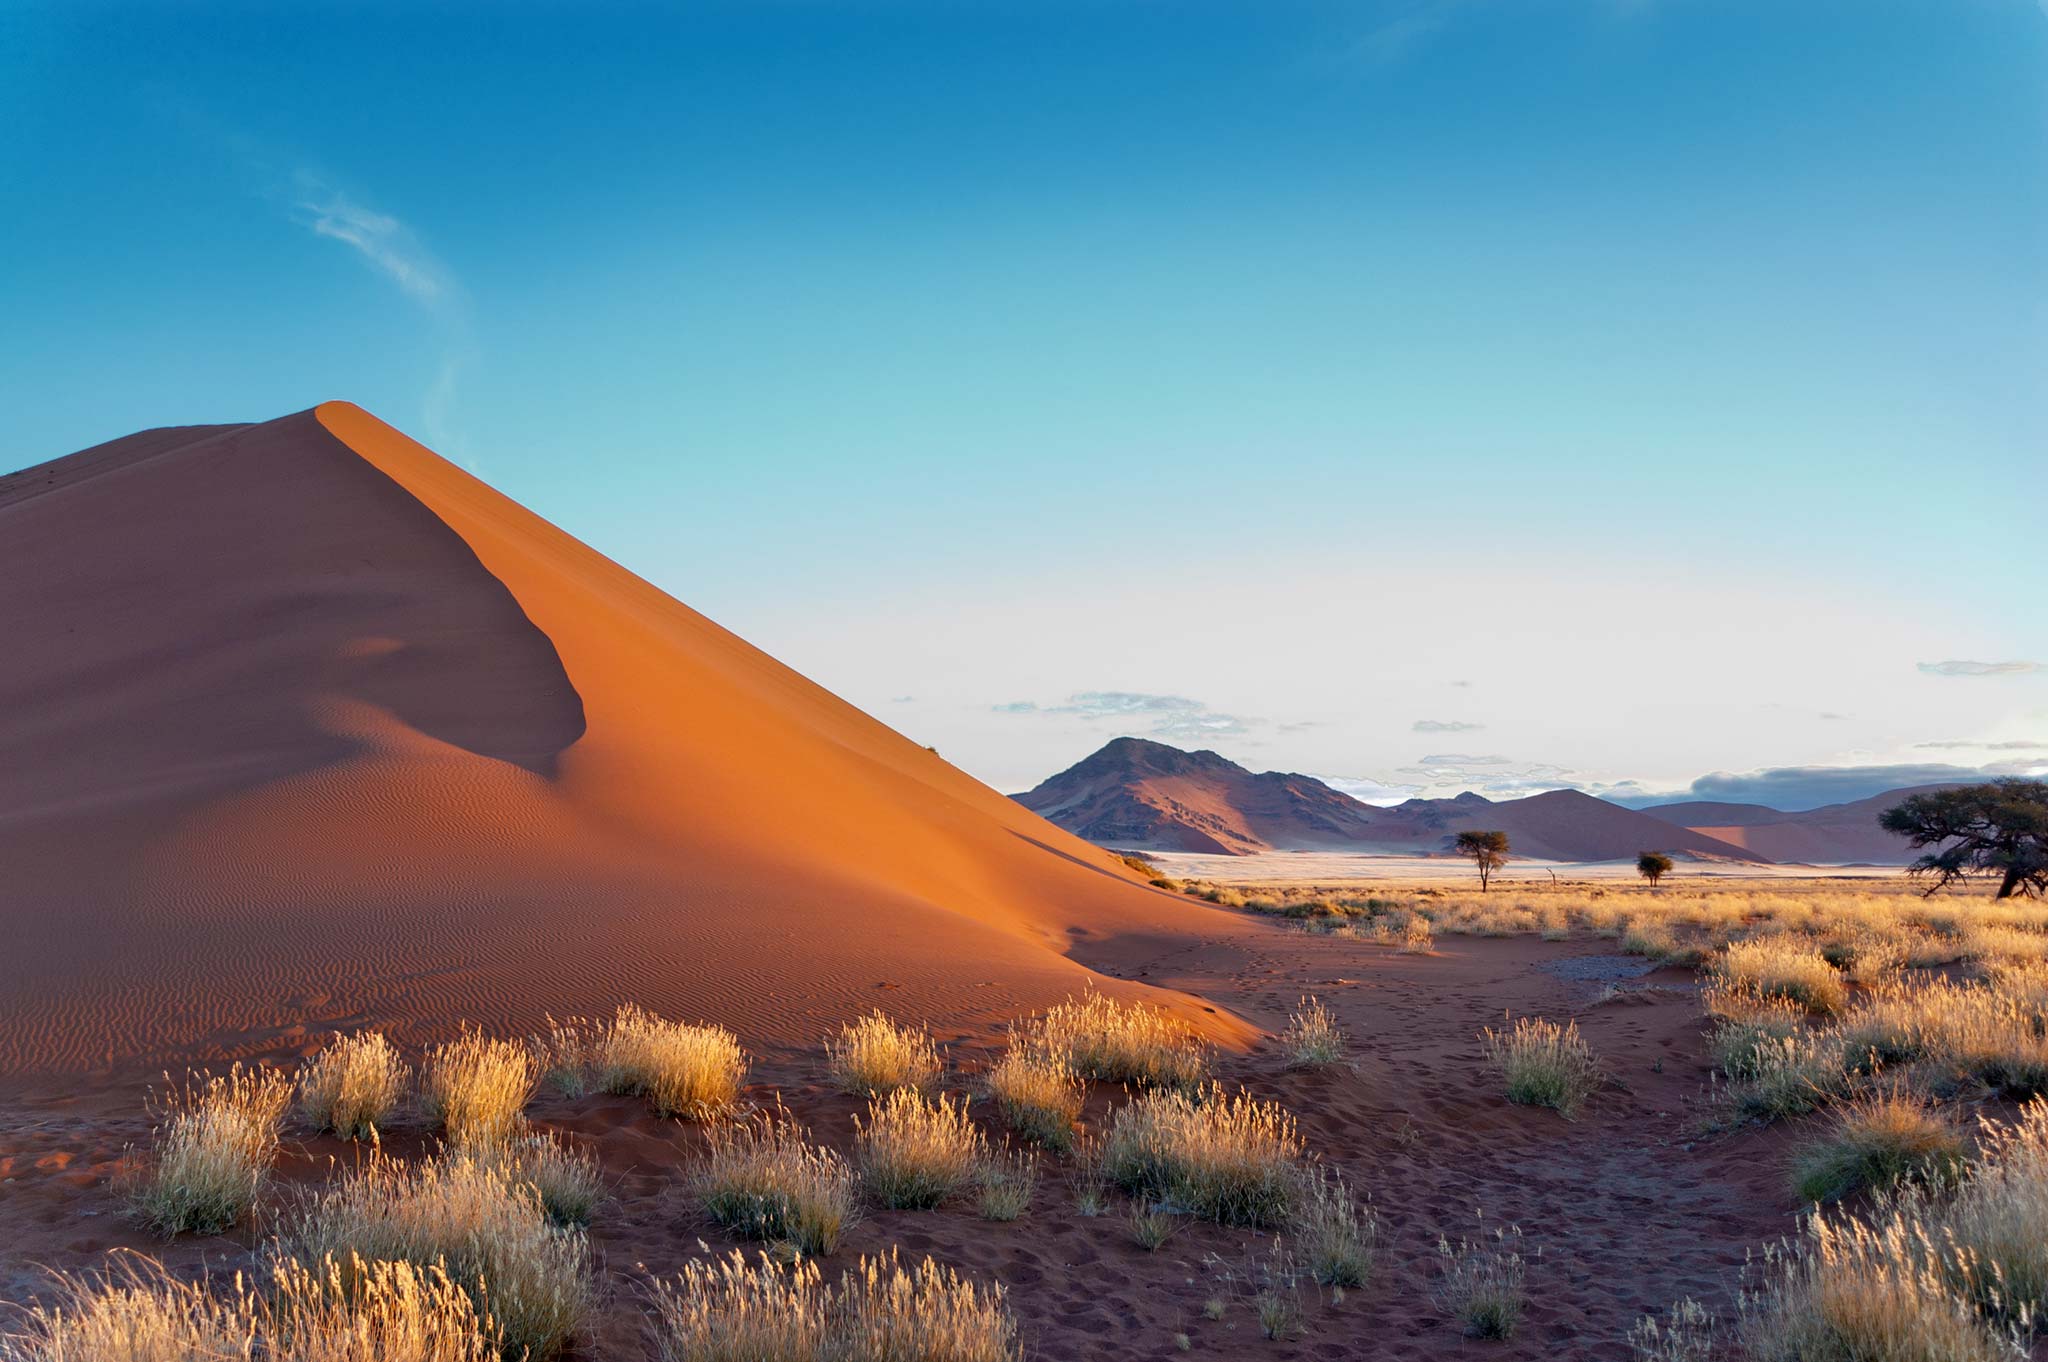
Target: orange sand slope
x=301 y=727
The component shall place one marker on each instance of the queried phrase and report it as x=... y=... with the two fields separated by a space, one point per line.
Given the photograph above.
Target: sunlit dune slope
x=301 y=726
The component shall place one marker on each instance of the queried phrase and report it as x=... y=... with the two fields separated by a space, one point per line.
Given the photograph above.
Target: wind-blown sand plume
x=303 y=727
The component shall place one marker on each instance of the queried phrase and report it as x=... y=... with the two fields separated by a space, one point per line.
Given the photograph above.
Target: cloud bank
x=1161 y=716
x=1797 y=788
x=1957 y=667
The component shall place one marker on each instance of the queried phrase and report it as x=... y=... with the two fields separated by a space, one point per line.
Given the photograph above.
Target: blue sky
x=1615 y=389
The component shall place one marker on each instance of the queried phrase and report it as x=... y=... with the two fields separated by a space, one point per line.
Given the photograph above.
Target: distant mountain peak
x=1148 y=795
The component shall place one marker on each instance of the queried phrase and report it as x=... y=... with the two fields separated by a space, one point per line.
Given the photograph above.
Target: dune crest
x=309 y=727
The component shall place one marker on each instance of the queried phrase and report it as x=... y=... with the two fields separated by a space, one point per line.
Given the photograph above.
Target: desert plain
x=627 y=989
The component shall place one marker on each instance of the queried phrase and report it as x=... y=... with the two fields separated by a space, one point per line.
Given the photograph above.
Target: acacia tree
x=2000 y=829
x=1488 y=850
x=1653 y=865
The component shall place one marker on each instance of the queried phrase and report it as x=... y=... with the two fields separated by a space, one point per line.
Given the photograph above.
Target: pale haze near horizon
x=1425 y=396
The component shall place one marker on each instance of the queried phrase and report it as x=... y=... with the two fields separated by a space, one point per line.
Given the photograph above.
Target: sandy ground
x=1624 y=1210
x=1331 y=867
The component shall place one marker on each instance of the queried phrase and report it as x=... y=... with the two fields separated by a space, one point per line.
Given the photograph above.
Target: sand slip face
x=302 y=727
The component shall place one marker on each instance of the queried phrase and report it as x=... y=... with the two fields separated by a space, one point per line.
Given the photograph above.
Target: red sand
x=303 y=727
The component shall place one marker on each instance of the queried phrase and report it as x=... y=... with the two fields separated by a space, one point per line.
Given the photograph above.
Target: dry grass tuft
x=731 y=1310
x=1544 y=1064
x=212 y=1149
x=1004 y=1184
x=1790 y=1077
x=477 y=1088
x=566 y=1177
x=530 y=1279
x=564 y=1052
x=1336 y=1234
x=694 y=1072
x=1853 y=1292
x=1687 y=1334
x=360 y=1312
x=1780 y=967
x=765 y=1180
x=1876 y=1142
x=1100 y=1038
x=1313 y=1039
x=913 y=1152
x=353 y=1086
x=1997 y=1226
x=1230 y=1159
x=874 y=1056
x=1482 y=1284
x=1151 y=1226
x=1039 y=1096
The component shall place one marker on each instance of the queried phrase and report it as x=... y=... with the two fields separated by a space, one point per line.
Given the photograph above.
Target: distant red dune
x=303 y=727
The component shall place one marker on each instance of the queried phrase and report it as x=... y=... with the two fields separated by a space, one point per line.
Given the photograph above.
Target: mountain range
x=1142 y=795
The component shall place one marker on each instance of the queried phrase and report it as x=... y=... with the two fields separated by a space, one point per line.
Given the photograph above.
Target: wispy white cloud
x=387 y=244
x=1445 y=726
x=1162 y=716
x=1957 y=667
x=390 y=247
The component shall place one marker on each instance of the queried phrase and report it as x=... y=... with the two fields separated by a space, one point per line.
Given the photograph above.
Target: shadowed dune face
x=306 y=727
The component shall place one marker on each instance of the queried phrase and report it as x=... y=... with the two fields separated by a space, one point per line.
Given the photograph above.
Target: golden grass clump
x=135 y=1312
x=1003 y=1185
x=694 y=1072
x=567 y=1178
x=361 y=1311
x=913 y=1152
x=1100 y=1038
x=1482 y=1284
x=1335 y=1233
x=1783 y=968
x=1313 y=1040
x=730 y=1310
x=1876 y=1142
x=1039 y=1096
x=212 y=1149
x=1544 y=1064
x=765 y=1180
x=874 y=1056
x=353 y=1086
x=1856 y=1292
x=476 y=1088
x=529 y=1279
x=1790 y=1077
x=1232 y=1159
x=367 y=1312
x=1997 y=1225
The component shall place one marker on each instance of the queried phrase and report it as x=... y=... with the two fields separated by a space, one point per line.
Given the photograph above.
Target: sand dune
x=303 y=726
